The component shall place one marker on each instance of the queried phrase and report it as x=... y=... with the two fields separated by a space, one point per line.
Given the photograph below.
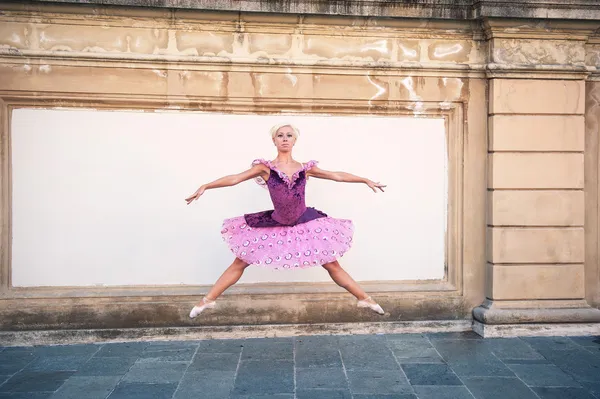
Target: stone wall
x=517 y=95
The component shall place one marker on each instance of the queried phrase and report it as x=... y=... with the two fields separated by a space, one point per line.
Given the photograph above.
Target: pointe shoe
x=206 y=304
x=365 y=303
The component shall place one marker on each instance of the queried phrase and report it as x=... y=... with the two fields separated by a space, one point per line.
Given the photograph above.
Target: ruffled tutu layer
x=313 y=243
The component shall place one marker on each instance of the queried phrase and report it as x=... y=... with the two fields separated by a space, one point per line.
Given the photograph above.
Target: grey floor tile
x=430 y=374
x=66 y=350
x=11 y=362
x=463 y=335
x=525 y=361
x=543 y=375
x=443 y=392
x=512 y=348
x=463 y=350
x=391 y=396
x=592 y=340
x=498 y=388
x=273 y=396
x=218 y=383
x=490 y=367
x=592 y=387
x=256 y=349
x=550 y=343
x=156 y=372
x=126 y=349
x=429 y=355
x=562 y=393
x=317 y=353
x=407 y=344
x=136 y=390
x=579 y=364
x=323 y=394
x=215 y=361
x=106 y=366
x=28 y=395
x=221 y=346
x=87 y=387
x=367 y=353
x=58 y=363
x=177 y=355
x=264 y=377
x=35 y=381
x=378 y=382
x=322 y=378
x=171 y=345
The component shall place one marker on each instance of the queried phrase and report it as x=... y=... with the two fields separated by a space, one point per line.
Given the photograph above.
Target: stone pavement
x=425 y=366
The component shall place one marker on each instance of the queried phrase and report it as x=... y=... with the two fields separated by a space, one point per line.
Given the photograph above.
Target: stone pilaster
x=536 y=202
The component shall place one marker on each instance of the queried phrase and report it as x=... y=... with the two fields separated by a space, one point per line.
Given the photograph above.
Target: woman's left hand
x=376 y=185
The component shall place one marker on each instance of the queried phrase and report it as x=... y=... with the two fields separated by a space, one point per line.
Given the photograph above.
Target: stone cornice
x=442 y=9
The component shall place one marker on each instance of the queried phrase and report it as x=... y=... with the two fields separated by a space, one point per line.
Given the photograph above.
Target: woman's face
x=284 y=139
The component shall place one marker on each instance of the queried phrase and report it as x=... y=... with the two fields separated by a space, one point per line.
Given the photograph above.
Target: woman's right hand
x=195 y=196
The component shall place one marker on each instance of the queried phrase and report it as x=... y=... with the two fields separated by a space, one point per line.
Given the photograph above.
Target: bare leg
x=229 y=277
x=344 y=280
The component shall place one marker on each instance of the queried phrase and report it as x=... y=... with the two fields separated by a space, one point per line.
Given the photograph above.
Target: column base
x=535 y=329
x=513 y=318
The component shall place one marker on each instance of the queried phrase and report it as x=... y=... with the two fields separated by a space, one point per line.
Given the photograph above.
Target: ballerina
x=291 y=235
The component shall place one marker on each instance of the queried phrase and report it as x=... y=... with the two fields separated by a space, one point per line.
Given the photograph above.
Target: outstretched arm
x=343 y=177
x=231 y=180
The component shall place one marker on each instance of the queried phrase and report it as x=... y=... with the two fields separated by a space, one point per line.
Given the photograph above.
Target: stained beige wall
x=513 y=96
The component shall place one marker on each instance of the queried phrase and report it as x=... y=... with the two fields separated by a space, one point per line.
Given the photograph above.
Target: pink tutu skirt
x=313 y=243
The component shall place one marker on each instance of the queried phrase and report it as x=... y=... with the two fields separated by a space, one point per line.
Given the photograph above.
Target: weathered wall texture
x=518 y=122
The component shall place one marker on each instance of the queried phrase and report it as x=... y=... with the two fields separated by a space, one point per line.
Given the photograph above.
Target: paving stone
x=429 y=355
x=498 y=388
x=367 y=353
x=177 y=355
x=462 y=335
x=550 y=343
x=481 y=368
x=27 y=395
x=391 y=396
x=322 y=378
x=221 y=346
x=35 y=381
x=562 y=393
x=57 y=363
x=156 y=372
x=272 y=396
x=511 y=348
x=323 y=394
x=579 y=364
x=218 y=383
x=543 y=375
x=215 y=361
x=317 y=353
x=106 y=366
x=463 y=350
x=256 y=349
x=443 y=392
x=171 y=345
x=430 y=374
x=378 y=382
x=12 y=362
x=127 y=349
x=87 y=387
x=66 y=350
x=525 y=361
x=136 y=390
x=263 y=377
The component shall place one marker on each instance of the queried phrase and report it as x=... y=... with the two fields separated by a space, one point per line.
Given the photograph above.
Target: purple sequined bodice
x=288 y=197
